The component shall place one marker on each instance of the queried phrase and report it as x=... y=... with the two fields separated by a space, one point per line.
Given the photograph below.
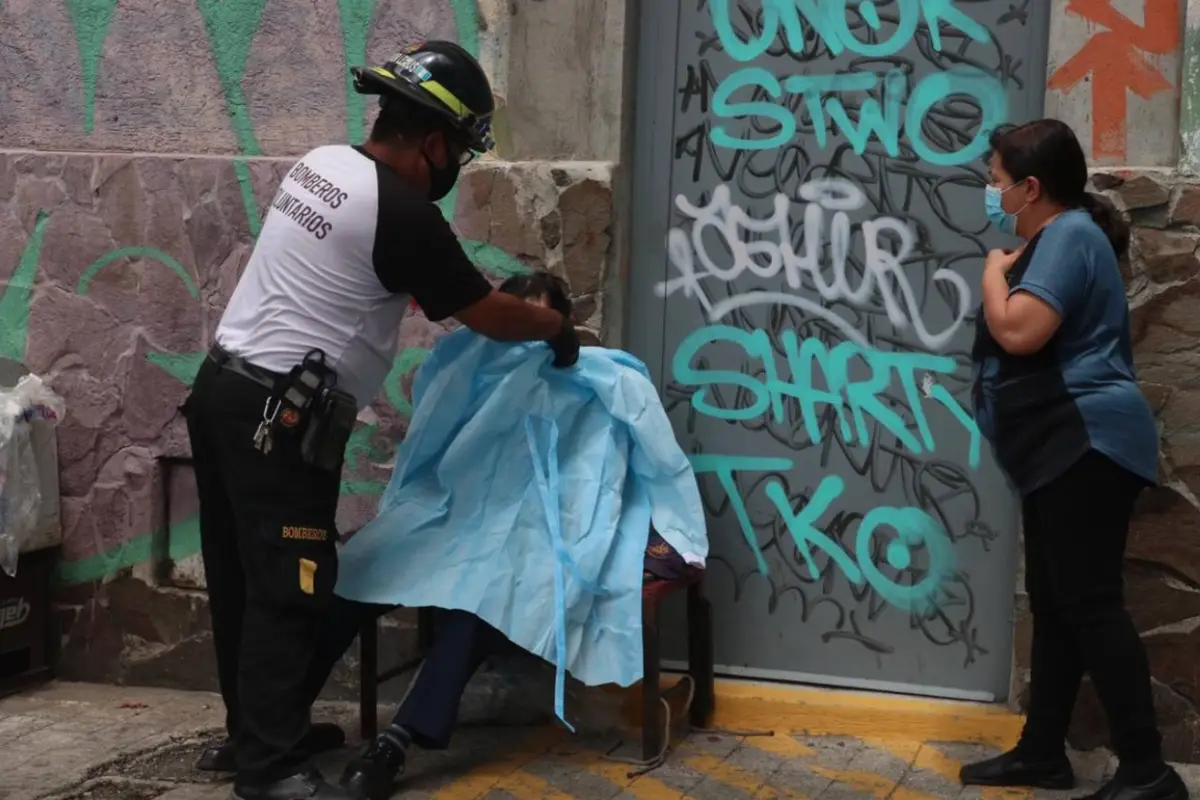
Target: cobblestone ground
x=76 y=741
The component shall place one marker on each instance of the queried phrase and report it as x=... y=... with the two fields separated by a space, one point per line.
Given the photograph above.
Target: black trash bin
x=27 y=638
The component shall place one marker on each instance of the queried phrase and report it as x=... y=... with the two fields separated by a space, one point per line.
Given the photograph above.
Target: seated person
x=462 y=640
x=545 y=289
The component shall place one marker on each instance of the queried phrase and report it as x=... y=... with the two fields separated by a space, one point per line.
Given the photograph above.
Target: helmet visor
x=479 y=136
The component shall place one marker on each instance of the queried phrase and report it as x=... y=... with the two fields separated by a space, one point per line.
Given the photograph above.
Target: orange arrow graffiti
x=1115 y=59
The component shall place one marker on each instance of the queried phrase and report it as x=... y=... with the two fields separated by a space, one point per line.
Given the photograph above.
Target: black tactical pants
x=268 y=538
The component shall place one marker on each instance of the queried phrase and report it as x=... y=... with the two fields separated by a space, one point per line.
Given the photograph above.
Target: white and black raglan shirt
x=345 y=245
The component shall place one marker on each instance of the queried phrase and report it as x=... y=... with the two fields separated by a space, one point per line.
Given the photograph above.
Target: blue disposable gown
x=525 y=494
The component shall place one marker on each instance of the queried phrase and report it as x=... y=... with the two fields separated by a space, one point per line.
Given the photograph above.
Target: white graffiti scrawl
x=763 y=248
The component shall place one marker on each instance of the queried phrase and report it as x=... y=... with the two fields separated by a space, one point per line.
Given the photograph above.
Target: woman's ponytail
x=1109 y=220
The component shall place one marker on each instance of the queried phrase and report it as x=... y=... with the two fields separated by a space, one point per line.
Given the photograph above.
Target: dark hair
x=400 y=117
x=1048 y=150
x=541 y=284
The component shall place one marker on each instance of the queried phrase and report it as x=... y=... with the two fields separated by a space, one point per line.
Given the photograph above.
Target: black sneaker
x=321 y=736
x=1168 y=786
x=374 y=773
x=308 y=785
x=1016 y=768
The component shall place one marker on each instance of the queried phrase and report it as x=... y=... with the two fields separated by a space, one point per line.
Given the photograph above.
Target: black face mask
x=441 y=179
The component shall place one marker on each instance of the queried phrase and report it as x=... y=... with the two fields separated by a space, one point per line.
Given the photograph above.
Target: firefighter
x=306 y=341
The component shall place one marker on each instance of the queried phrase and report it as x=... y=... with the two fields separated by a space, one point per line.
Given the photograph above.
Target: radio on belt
x=309 y=404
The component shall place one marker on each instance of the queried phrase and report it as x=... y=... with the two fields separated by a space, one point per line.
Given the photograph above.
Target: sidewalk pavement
x=71 y=741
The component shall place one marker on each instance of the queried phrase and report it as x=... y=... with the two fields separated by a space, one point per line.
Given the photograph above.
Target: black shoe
x=307 y=785
x=1168 y=786
x=321 y=736
x=374 y=773
x=1015 y=768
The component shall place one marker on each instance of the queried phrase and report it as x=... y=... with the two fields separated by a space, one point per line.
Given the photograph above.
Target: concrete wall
x=140 y=142
x=1124 y=74
x=1113 y=74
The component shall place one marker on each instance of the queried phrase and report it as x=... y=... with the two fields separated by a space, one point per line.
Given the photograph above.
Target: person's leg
x=218 y=550
x=1056 y=670
x=337 y=631
x=290 y=583
x=1056 y=663
x=429 y=711
x=286 y=535
x=339 y=627
x=225 y=577
x=1089 y=594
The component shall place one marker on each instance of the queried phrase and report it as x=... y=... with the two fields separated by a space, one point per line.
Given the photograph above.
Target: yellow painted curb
x=749 y=705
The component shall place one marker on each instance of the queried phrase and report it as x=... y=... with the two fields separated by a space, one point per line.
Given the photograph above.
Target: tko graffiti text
x=912 y=529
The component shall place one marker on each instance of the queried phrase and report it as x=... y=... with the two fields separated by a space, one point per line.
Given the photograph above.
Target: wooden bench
x=656 y=724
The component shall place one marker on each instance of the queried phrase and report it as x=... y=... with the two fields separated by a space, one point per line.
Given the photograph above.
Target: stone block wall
x=140 y=144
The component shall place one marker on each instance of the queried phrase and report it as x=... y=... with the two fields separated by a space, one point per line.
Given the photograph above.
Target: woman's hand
x=1001 y=261
x=1020 y=322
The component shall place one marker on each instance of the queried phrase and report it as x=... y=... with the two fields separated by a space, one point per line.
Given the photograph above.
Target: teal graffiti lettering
x=183 y=367
x=938 y=12
x=818 y=95
x=89 y=20
x=802 y=525
x=491 y=259
x=755 y=343
x=834 y=27
x=940 y=394
x=984 y=88
x=724 y=467
x=764 y=82
x=885 y=123
x=466 y=22
x=133 y=253
x=355 y=17
x=913 y=529
x=869 y=14
x=18 y=294
x=774 y=12
x=408 y=360
x=856 y=401
x=812 y=357
x=829 y=20
x=231 y=26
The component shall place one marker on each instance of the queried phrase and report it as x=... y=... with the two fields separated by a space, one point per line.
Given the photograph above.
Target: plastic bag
x=30 y=401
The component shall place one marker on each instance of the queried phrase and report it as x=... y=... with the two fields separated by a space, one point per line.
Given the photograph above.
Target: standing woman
x=1056 y=395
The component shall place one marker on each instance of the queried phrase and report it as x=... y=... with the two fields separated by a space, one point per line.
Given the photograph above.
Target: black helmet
x=442 y=77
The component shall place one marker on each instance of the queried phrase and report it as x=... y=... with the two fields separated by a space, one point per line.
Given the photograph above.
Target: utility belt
x=305 y=404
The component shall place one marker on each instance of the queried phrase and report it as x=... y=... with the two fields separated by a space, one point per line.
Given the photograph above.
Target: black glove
x=565 y=345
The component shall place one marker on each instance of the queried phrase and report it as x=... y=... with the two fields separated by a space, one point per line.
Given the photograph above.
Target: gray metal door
x=808 y=240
